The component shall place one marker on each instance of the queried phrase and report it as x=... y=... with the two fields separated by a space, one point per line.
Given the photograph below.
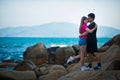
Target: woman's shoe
x=70 y=59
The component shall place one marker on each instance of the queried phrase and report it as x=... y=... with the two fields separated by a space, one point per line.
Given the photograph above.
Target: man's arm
x=91 y=30
x=88 y=31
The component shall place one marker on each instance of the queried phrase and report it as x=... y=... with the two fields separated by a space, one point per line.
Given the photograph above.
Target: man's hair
x=92 y=15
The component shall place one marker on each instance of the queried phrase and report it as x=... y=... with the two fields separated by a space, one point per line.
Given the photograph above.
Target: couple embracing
x=87 y=43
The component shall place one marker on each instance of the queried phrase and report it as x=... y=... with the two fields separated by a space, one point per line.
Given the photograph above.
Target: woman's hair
x=82 y=22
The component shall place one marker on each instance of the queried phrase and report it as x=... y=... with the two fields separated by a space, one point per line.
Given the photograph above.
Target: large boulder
x=92 y=75
x=107 y=75
x=17 y=75
x=76 y=49
x=25 y=65
x=37 y=53
x=56 y=67
x=73 y=67
x=104 y=48
x=47 y=69
x=52 y=54
x=79 y=75
x=62 y=54
x=52 y=72
x=54 y=75
x=28 y=65
x=111 y=57
x=114 y=40
x=7 y=64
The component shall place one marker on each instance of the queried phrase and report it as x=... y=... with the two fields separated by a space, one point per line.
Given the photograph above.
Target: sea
x=14 y=47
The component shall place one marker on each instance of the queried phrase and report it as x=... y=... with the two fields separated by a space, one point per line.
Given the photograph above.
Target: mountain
x=45 y=30
x=105 y=31
x=55 y=29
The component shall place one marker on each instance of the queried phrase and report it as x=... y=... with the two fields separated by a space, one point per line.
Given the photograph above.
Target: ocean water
x=13 y=47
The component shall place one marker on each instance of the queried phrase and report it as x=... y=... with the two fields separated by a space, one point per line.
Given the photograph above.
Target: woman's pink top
x=84 y=26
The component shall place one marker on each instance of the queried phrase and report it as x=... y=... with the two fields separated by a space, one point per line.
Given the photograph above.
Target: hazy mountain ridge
x=105 y=31
x=54 y=29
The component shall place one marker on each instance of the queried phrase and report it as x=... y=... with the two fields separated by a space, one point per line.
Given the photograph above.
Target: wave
x=60 y=45
x=3 y=46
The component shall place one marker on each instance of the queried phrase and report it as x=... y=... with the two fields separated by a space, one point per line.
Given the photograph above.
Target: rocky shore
x=41 y=63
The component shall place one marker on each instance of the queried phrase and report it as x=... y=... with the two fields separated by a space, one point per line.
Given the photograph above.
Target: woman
x=82 y=42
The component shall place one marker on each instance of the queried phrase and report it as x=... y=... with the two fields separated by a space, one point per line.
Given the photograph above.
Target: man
x=92 y=43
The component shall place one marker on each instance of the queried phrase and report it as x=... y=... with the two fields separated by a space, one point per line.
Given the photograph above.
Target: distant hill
x=55 y=29
x=104 y=31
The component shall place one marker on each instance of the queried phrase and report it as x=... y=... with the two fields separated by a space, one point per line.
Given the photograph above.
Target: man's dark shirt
x=92 y=40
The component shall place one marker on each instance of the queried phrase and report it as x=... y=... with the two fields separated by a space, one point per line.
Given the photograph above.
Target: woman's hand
x=80 y=35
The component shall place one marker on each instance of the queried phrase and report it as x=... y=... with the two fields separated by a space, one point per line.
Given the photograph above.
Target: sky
x=16 y=13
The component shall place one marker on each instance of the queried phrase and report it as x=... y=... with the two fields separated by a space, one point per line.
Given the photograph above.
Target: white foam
x=60 y=45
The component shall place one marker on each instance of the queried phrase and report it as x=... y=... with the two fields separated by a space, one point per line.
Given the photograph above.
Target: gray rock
x=62 y=54
x=37 y=53
x=17 y=75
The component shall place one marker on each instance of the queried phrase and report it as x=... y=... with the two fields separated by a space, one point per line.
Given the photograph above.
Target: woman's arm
x=83 y=34
x=88 y=31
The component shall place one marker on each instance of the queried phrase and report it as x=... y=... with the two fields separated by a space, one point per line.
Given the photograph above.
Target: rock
x=41 y=71
x=7 y=64
x=73 y=67
x=76 y=49
x=92 y=75
x=114 y=65
x=62 y=54
x=37 y=53
x=25 y=65
x=8 y=60
x=54 y=75
x=56 y=67
x=52 y=54
x=28 y=65
x=114 y=40
x=104 y=48
x=17 y=75
x=107 y=75
x=79 y=75
x=38 y=72
x=110 y=57
x=47 y=69
x=18 y=61
x=107 y=45
x=51 y=72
